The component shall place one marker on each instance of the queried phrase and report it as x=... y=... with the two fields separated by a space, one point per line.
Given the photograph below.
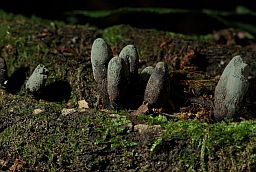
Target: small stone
x=130 y=55
x=66 y=111
x=37 y=111
x=114 y=115
x=145 y=129
x=118 y=81
x=231 y=88
x=3 y=71
x=158 y=87
x=38 y=79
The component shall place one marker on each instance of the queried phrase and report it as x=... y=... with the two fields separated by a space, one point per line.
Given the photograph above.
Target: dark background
x=55 y=9
x=189 y=23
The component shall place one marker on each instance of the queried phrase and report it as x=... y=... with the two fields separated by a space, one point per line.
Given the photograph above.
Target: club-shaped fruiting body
x=101 y=53
x=158 y=87
x=118 y=81
x=3 y=71
x=100 y=56
x=146 y=73
x=231 y=88
x=38 y=79
x=130 y=55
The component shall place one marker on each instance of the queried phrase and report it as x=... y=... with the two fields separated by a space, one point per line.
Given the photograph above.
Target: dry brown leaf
x=18 y=164
x=83 y=104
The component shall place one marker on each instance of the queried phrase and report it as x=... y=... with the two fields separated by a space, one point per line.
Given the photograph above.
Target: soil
x=81 y=139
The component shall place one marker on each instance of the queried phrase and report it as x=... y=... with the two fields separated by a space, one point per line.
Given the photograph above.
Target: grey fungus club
x=37 y=80
x=118 y=81
x=100 y=56
x=158 y=87
x=231 y=88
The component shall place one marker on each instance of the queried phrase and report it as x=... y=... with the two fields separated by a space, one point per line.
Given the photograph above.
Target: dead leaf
x=3 y=163
x=143 y=109
x=115 y=53
x=83 y=104
x=18 y=164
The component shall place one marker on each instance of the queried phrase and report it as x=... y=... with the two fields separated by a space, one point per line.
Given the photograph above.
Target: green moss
x=50 y=139
x=114 y=131
x=116 y=34
x=232 y=139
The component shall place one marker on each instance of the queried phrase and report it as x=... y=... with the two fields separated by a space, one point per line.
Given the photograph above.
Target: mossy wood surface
x=49 y=132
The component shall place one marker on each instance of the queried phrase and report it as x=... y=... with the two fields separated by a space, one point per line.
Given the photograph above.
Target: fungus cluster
x=116 y=75
x=113 y=74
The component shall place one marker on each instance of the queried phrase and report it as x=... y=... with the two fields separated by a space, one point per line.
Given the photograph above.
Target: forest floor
x=63 y=129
